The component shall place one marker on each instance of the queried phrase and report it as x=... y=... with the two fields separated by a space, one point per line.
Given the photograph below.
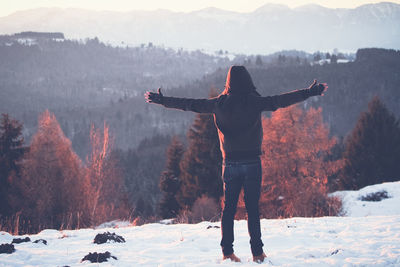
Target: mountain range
x=270 y=28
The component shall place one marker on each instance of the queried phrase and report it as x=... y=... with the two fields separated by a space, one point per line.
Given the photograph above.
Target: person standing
x=237 y=116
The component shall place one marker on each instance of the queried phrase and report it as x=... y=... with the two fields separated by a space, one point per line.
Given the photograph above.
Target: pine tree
x=372 y=151
x=334 y=59
x=169 y=180
x=201 y=163
x=317 y=57
x=11 y=151
x=143 y=208
x=259 y=61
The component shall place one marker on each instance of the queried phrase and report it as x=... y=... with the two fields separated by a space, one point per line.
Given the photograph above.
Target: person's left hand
x=154 y=97
x=317 y=88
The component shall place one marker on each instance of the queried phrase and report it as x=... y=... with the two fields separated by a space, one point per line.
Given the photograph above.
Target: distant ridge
x=270 y=28
x=47 y=35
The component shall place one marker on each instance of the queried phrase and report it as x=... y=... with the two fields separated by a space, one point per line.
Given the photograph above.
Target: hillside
x=374 y=72
x=90 y=82
x=87 y=81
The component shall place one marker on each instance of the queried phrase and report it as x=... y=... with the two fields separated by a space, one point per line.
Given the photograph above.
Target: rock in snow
x=107 y=236
x=7 y=248
x=98 y=257
x=21 y=240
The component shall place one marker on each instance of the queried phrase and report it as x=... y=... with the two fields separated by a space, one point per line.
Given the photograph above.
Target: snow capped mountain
x=270 y=28
x=382 y=11
x=311 y=8
x=271 y=8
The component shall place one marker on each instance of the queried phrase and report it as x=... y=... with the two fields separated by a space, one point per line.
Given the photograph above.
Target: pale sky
x=9 y=6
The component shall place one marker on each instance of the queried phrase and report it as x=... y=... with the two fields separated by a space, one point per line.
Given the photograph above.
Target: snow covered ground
x=354 y=207
x=368 y=236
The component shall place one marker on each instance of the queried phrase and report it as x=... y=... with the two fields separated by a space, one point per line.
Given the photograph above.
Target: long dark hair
x=238 y=81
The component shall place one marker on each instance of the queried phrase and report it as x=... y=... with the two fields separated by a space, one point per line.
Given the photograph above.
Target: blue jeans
x=238 y=174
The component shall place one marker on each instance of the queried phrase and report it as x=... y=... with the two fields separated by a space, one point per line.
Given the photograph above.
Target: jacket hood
x=238 y=81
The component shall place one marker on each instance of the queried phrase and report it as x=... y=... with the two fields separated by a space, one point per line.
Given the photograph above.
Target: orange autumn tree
x=51 y=186
x=106 y=195
x=295 y=147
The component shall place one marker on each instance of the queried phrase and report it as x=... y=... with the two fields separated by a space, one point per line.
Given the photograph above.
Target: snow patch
x=355 y=207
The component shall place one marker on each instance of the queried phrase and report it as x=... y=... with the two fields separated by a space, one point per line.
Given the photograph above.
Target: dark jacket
x=237 y=115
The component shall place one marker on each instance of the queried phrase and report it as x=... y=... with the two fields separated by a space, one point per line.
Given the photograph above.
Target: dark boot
x=259 y=258
x=232 y=257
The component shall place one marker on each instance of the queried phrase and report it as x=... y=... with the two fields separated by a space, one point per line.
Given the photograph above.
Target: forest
x=79 y=145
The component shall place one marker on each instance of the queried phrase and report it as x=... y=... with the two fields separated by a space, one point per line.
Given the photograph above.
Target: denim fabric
x=238 y=174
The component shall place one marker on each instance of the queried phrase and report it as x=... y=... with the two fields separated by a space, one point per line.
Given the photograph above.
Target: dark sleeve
x=272 y=103
x=190 y=104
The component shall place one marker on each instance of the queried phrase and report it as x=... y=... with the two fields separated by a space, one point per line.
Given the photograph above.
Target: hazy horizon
x=241 y=6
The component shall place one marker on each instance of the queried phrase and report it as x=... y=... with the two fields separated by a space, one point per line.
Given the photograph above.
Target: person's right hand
x=154 y=97
x=317 y=88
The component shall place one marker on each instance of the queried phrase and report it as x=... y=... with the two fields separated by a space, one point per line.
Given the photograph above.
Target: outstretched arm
x=272 y=103
x=190 y=104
